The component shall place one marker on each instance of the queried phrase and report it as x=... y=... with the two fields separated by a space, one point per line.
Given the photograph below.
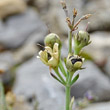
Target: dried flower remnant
x=50 y=56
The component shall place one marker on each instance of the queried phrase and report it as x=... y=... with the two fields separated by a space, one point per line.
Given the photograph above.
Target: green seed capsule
x=82 y=38
x=51 y=39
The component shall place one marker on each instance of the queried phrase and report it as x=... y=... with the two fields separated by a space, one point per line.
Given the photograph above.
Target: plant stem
x=76 y=50
x=68 y=90
x=62 y=68
x=67 y=97
x=70 y=41
x=58 y=74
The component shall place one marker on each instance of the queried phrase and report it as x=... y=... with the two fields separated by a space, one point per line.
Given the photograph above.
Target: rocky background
x=24 y=24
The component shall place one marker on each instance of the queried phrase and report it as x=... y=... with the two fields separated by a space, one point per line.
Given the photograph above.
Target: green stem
x=70 y=41
x=76 y=48
x=67 y=97
x=68 y=90
x=55 y=77
x=62 y=68
x=58 y=74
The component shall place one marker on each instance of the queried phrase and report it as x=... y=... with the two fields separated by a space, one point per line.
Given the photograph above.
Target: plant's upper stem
x=70 y=41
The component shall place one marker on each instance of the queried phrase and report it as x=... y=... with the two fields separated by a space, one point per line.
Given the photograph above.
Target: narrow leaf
x=55 y=77
x=62 y=68
x=75 y=79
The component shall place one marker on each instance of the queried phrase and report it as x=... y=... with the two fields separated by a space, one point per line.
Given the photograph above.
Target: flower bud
x=74 y=63
x=51 y=39
x=82 y=38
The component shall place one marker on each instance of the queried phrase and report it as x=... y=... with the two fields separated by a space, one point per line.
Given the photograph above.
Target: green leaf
x=59 y=75
x=65 y=61
x=75 y=79
x=62 y=68
x=55 y=77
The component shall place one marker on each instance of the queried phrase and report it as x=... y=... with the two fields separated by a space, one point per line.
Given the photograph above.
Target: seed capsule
x=74 y=62
x=82 y=38
x=51 y=39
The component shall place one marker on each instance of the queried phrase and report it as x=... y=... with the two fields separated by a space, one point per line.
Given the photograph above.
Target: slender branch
x=62 y=68
x=75 y=79
x=58 y=74
x=82 y=18
x=55 y=77
x=70 y=41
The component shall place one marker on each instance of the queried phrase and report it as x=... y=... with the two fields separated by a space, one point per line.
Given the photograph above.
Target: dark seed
x=73 y=61
x=49 y=56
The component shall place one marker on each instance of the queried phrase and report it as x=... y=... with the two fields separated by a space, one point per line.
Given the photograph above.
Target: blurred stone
x=98 y=9
x=21 y=104
x=100 y=46
x=98 y=106
x=107 y=66
x=6 y=60
x=18 y=28
x=33 y=78
x=92 y=80
x=30 y=47
x=9 y=7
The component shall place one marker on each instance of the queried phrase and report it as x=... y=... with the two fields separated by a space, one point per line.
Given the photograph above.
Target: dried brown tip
x=74 y=12
x=69 y=22
x=63 y=3
x=86 y=16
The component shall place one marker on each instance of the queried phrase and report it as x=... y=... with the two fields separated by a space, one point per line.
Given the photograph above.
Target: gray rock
x=18 y=28
x=92 y=79
x=6 y=60
x=33 y=78
x=99 y=106
x=30 y=47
